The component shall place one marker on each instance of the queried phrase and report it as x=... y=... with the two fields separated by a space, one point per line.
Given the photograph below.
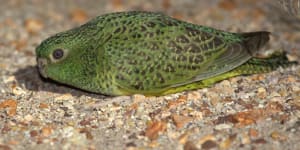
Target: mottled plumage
x=149 y=53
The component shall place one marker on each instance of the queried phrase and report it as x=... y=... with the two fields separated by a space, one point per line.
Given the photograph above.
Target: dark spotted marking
x=138 y=85
x=150 y=34
x=198 y=59
x=129 y=71
x=151 y=69
x=158 y=66
x=170 y=22
x=150 y=24
x=113 y=53
x=218 y=41
x=208 y=53
x=143 y=72
x=161 y=56
x=159 y=32
x=182 y=39
x=153 y=46
x=147 y=81
x=210 y=46
x=132 y=62
x=160 y=78
x=141 y=53
x=147 y=58
x=192 y=48
x=137 y=79
x=121 y=67
x=169 y=68
x=178 y=49
x=126 y=22
x=182 y=66
x=204 y=36
x=197 y=67
x=143 y=28
x=182 y=58
x=107 y=84
x=192 y=67
x=136 y=35
x=189 y=67
x=117 y=38
x=162 y=25
x=116 y=23
x=137 y=71
x=124 y=29
x=135 y=28
x=129 y=22
x=173 y=46
x=108 y=38
x=191 y=59
x=192 y=32
x=175 y=58
x=113 y=17
x=120 y=30
x=123 y=21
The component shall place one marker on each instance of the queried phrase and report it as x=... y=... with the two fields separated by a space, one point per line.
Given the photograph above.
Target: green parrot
x=149 y=53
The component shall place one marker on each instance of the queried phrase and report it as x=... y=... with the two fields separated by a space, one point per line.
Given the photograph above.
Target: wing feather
x=157 y=56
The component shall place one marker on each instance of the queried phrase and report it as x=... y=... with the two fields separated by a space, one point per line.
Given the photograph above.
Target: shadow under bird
x=148 y=53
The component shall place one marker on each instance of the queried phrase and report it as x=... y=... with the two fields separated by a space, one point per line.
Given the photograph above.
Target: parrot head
x=63 y=57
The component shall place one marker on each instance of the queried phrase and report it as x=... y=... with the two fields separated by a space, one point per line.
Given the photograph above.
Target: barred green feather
x=149 y=53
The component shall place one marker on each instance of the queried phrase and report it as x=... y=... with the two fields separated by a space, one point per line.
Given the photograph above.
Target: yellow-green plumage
x=150 y=53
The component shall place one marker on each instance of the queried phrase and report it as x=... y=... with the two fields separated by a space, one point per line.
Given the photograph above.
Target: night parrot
x=149 y=53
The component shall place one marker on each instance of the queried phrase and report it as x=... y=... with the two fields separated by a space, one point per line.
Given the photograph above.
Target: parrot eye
x=58 y=53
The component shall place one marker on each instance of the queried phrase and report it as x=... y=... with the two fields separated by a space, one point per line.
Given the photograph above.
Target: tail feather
x=253 y=41
x=263 y=65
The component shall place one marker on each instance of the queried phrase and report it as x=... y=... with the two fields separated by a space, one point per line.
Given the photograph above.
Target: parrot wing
x=153 y=59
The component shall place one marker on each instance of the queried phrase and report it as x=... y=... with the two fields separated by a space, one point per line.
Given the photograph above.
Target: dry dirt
x=246 y=112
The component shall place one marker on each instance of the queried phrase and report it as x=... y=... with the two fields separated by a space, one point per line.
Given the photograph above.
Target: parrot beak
x=42 y=62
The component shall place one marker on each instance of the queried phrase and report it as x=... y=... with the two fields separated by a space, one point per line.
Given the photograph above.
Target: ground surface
x=253 y=112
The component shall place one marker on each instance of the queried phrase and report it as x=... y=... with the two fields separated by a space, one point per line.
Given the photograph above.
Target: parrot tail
x=253 y=41
x=263 y=65
x=253 y=66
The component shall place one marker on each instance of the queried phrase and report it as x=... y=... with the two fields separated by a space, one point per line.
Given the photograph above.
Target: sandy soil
x=246 y=112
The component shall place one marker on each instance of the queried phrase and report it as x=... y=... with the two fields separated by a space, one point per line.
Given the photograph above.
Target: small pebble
x=33 y=25
x=223 y=126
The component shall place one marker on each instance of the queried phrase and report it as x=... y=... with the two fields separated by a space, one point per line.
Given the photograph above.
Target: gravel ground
x=245 y=112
